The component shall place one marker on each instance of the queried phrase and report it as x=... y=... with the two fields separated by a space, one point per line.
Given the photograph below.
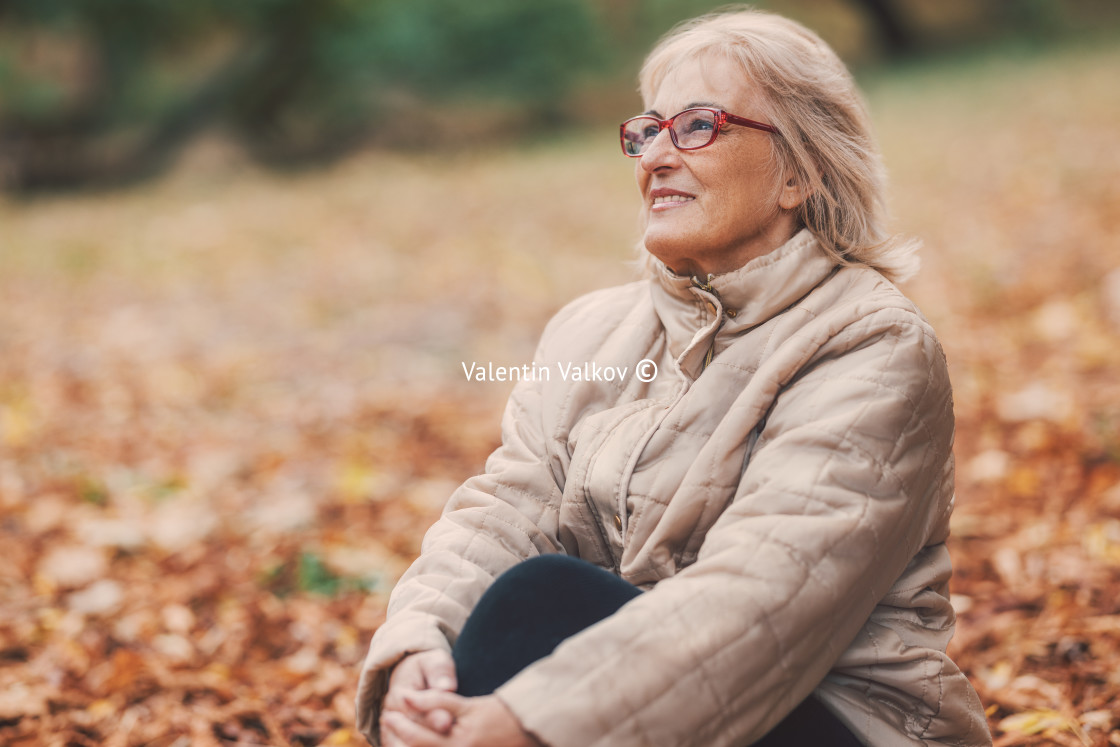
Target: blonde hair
x=826 y=142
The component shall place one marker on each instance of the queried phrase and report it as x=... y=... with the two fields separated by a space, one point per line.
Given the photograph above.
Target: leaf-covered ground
x=231 y=402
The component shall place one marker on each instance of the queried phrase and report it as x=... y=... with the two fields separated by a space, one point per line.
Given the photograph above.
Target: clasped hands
x=422 y=709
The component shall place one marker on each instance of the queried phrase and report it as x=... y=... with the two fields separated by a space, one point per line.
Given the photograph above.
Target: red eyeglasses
x=691 y=129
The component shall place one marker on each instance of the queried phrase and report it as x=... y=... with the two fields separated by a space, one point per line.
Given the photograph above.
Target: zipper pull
x=705 y=286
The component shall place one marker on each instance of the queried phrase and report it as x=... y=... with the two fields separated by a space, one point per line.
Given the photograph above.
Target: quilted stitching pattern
x=815 y=562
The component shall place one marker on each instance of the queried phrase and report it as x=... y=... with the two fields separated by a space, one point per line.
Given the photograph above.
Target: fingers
x=408 y=673
x=439 y=670
x=430 y=701
x=420 y=671
x=389 y=739
x=428 y=671
x=408 y=733
x=439 y=720
x=394 y=701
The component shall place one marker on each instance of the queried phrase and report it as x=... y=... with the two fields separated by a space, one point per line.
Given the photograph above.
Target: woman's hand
x=428 y=671
x=477 y=722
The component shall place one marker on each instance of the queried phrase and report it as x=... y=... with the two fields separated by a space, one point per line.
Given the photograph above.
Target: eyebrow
x=693 y=105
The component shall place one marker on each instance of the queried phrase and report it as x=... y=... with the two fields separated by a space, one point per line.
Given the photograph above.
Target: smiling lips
x=664 y=199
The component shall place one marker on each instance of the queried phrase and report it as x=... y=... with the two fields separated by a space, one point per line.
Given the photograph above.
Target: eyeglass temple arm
x=749 y=123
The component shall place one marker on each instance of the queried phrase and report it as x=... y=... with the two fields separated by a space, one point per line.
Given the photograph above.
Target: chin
x=659 y=253
x=672 y=252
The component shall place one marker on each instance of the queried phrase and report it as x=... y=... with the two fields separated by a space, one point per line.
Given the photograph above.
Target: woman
x=760 y=527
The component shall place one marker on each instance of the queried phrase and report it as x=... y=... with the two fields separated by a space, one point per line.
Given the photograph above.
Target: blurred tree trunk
x=72 y=152
x=892 y=29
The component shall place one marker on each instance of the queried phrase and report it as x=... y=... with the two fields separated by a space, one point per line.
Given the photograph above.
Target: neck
x=777 y=233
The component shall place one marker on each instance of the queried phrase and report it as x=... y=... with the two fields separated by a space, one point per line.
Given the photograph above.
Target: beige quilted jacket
x=785 y=505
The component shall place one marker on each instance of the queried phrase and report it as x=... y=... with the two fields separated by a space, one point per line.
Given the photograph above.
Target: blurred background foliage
x=107 y=91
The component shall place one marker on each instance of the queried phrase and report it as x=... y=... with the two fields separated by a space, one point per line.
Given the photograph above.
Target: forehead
x=709 y=79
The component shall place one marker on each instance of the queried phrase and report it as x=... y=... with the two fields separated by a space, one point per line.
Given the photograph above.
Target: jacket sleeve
x=843 y=489
x=494 y=520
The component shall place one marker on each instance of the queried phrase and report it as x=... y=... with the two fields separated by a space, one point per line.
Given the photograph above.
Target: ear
x=792 y=194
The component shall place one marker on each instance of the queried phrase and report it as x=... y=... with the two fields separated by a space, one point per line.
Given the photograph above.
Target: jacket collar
x=741 y=298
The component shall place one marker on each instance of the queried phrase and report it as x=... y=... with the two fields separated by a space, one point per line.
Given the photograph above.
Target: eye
x=651 y=131
x=700 y=124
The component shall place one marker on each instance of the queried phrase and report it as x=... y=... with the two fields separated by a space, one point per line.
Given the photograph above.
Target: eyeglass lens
x=690 y=129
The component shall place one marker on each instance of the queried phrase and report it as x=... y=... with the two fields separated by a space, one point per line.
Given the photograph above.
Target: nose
x=660 y=154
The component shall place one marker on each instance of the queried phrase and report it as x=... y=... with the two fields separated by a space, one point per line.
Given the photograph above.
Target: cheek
x=753 y=194
x=640 y=175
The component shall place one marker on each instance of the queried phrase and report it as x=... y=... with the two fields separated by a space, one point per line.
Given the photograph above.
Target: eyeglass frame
x=722 y=118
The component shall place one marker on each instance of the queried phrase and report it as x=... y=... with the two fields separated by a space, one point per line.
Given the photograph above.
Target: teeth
x=671 y=198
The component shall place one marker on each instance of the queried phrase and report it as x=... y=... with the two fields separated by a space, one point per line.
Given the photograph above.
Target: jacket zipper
x=706 y=286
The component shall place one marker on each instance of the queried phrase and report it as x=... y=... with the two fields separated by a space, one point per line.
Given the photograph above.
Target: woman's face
x=714 y=209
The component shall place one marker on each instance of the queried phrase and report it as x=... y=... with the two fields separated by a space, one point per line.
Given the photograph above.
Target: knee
x=549 y=582
x=544 y=570
x=531 y=586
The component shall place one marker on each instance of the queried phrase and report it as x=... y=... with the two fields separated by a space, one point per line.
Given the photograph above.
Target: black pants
x=535 y=605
